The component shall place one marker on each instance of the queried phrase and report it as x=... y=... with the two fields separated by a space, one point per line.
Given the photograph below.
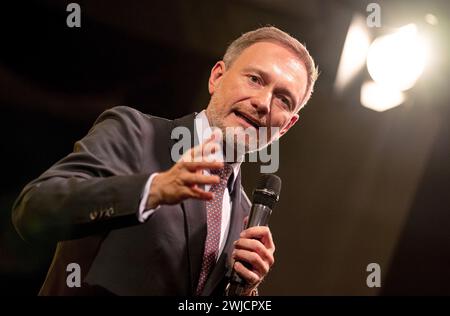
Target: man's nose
x=261 y=101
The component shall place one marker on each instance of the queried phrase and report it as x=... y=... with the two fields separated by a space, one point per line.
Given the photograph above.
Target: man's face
x=263 y=88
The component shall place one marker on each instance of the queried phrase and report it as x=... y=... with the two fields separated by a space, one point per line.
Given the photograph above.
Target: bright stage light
x=380 y=97
x=354 y=53
x=397 y=60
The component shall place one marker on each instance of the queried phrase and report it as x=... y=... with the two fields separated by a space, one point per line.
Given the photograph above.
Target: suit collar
x=183 y=122
x=194 y=210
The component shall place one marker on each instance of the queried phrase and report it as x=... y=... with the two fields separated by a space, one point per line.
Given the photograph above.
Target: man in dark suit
x=135 y=220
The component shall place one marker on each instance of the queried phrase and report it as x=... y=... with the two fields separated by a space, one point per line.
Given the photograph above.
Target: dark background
x=358 y=186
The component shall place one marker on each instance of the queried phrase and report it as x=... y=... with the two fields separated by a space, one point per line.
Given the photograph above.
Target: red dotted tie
x=213 y=221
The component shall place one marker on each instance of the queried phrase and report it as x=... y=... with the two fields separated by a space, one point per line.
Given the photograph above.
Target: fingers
x=197 y=193
x=207 y=150
x=198 y=165
x=253 y=254
x=250 y=277
x=196 y=178
x=261 y=233
x=257 y=264
x=184 y=179
x=257 y=247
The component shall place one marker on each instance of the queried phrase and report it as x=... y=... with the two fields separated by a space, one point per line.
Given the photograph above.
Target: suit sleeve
x=95 y=188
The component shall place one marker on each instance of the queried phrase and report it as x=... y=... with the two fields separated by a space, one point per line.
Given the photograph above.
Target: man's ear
x=291 y=123
x=216 y=75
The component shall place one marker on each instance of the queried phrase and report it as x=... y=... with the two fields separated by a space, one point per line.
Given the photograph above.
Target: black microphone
x=265 y=196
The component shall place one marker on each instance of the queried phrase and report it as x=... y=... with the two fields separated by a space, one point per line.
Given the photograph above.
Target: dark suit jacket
x=88 y=201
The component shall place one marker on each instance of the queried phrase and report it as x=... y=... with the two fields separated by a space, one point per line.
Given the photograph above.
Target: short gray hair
x=273 y=34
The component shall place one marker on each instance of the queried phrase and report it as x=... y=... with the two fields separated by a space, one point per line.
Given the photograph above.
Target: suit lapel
x=195 y=227
x=194 y=214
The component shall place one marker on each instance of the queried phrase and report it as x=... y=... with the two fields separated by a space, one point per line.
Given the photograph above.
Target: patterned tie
x=214 y=218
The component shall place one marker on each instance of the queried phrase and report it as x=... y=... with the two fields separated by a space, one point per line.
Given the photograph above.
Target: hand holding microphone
x=253 y=253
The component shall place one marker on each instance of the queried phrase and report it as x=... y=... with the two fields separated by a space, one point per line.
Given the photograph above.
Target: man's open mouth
x=250 y=120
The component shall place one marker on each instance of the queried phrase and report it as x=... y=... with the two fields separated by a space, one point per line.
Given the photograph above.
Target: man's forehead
x=261 y=50
x=279 y=58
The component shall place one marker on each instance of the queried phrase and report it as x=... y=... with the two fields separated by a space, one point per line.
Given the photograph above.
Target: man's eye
x=285 y=101
x=254 y=79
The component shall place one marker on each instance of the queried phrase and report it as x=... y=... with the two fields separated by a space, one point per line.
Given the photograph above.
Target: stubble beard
x=234 y=151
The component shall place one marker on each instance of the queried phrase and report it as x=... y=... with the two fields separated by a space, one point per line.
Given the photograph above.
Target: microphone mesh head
x=269 y=183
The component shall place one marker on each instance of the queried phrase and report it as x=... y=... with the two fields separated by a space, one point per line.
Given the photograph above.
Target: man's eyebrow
x=266 y=77
x=262 y=73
